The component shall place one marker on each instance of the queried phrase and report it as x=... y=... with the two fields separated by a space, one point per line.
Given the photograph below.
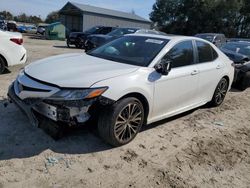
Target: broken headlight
x=78 y=94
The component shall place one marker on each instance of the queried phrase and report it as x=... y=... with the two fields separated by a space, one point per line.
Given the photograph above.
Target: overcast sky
x=43 y=7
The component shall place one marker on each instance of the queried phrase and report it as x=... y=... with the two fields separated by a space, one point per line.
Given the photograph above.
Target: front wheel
x=120 y=123
x=220 y=93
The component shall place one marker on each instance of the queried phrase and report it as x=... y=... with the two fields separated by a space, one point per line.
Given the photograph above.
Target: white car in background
x=134 y=80
x=12 y=51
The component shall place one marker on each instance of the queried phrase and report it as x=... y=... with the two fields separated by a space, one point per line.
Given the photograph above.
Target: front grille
x=26 y=88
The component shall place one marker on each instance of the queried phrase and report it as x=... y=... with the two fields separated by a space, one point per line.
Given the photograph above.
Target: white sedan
x=134 y=80
x=12 y=51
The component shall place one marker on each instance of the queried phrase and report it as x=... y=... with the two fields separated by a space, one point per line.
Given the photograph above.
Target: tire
x=118 y=128
x=78 y=43
x=2 y=65
x=220 y=93
x=244 y=83
x=68 y=45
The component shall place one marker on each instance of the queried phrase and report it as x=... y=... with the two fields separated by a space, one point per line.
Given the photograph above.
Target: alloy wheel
x=128 y=122
x=221 y=91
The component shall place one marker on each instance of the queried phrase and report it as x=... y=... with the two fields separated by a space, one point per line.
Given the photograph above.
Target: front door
x=177 y=91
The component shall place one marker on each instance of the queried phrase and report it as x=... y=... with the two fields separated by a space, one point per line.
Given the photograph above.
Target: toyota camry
x=134 y=80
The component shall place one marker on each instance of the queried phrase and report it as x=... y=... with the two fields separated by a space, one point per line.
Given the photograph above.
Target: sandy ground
x=202 y=148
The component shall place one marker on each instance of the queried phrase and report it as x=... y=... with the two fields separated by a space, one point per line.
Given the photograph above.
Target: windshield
x=134 y=50
x=92 y=30
x=121 y=32
x=242 y=48
x=209 y=38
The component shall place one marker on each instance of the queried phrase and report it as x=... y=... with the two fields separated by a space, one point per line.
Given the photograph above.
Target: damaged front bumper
x=70 y=112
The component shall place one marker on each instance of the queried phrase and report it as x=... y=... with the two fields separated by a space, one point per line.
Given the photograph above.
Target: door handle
x=218 y=67
x=195 y=72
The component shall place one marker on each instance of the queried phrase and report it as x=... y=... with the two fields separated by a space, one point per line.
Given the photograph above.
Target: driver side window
x=181 y=54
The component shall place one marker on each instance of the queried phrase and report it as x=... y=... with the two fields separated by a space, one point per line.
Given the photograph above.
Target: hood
x=76 y=70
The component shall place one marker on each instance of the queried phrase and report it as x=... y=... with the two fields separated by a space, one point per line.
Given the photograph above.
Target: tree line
x=189 y=17
x=51 y=17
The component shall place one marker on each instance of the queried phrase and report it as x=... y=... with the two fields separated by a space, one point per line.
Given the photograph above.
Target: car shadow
x=18 y=139
x=61 y=47
x=6 y=71
x=35 y=36
x=168 y=120
x=234 y=90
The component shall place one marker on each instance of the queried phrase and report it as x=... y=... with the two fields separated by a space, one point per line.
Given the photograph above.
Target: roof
x=209 y=34
x=104 y=11
x=169 y=37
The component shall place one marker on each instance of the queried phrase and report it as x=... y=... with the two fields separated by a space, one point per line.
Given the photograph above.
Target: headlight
x=78 y=94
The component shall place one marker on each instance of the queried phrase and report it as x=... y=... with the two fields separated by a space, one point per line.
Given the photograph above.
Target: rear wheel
x=120 y=123
x=2 y=65
x=220 y=93
x=79 y=43
x=68 y=45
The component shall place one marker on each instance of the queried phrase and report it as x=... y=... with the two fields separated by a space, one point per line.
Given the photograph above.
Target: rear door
x=210 y=69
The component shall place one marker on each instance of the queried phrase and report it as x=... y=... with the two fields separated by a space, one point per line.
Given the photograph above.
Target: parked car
x=12 y=51
x=22 y=29
x=31 y=29
x=94 y=41
x=126 y=83
x=12 y=26
x=238 y=40
x=97 y=40
x=239 y=52
x=78 y=38
x=3 y=25
x=217 y=39
x=149 y=31
x=41 y=29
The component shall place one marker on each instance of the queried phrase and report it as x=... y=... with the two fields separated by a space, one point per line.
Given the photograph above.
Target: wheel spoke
x=132 y=109
x=118 y=126
x=129 y=132
x=136 y=119
x=123 y=118
x=128 y=122
x=121 y=133
x=131 y=127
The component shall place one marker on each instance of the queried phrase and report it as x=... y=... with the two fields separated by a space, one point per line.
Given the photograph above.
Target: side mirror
x=164 y=67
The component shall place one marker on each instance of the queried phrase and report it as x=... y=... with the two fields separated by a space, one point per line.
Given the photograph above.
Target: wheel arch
x=227 y=78
x=142 y=99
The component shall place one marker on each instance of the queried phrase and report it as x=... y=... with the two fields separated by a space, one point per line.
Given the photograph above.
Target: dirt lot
x=203 y=148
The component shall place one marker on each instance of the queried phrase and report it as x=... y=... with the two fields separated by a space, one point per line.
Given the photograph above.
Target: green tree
x=6 y=15
x=52 y=17
x=35 y=20
x=28 y=19
x=189 y=17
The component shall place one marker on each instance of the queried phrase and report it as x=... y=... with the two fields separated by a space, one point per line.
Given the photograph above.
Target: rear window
x=205 y=52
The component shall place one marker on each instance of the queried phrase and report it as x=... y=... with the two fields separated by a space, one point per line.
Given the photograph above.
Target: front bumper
x=27 y=109
x=70 y=113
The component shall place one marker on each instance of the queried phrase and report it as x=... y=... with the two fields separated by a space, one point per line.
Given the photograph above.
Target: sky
x=43 y=7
